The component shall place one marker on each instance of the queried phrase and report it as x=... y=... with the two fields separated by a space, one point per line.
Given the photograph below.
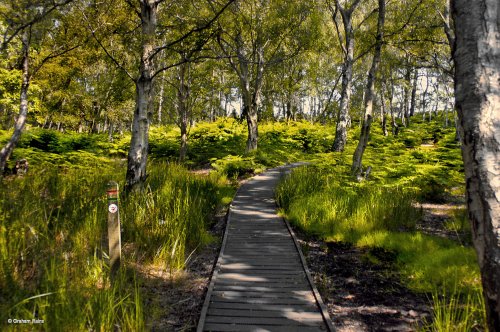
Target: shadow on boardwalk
x=260 y=282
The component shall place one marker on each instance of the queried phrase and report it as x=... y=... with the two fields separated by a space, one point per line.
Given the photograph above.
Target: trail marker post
x=114 y=237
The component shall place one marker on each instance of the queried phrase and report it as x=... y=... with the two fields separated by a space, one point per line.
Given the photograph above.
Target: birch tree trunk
x=183 y=109
x=383 y=111
x=251 y=84
x=477 y=96
x=406 y=98
x=138 y=153
x=23 y=104
x=343 y=119
x=250 y=104
x=424 y=96
x=394 y=124
x=357 y=166
x=413 y=100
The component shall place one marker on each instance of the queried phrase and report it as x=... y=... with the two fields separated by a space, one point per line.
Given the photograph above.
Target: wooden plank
x=276 y=289
x=255 y=278
x=307 y=307
x=263 y=272
x=275 y=283
x=249 y=254
x=265 y=313
x=262 y=251
x=256 y=265
x=302 y=294
x=261 y=300
x=261 y=262
x=279 y=321
x=259 y=328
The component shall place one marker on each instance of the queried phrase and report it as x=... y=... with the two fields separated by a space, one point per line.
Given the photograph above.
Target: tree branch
x=7 y=39
x=192 y=31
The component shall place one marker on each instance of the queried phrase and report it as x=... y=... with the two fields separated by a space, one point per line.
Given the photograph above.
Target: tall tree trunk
x=357 y=158
x=250 y=112
x=23 y=104
x=383 y=111
x=424 y=95
x=406 y=97
x=110 y=131
x=183 y=111
x=138 y=153
x=394 y=124
x=345 y=95
x=160 y=101
x=251 y=78
x=343 y=120
x=413 y=99
x=477 y=96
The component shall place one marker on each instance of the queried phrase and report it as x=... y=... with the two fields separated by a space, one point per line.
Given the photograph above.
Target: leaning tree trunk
x=477 y=96
x=138 y=152
x=23 y=105
x=357 y=159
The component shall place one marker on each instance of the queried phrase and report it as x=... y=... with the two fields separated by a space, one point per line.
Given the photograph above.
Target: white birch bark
x=369 y=94
x=477 y=96
x=6 y=151
x=138 y=153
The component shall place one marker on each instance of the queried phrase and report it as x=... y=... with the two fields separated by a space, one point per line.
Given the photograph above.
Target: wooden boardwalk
x=261 y=282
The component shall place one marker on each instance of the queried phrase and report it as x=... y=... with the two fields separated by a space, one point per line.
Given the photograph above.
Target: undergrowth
x=422 y=164
x=53 y=241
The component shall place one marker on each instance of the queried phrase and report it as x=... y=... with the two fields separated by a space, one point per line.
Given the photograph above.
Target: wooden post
x=114 y=238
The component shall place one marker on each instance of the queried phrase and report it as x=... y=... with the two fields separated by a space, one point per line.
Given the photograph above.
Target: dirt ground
x=361 y=287
x=173 y=300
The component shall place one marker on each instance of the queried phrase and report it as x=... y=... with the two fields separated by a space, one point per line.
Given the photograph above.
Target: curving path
x=261 y=282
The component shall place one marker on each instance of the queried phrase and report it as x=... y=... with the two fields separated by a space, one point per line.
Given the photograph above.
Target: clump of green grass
x=171 y=217
x=377 y=216
x=53 y=222
x=459 y=223
x=453 y=311
x=342 y=212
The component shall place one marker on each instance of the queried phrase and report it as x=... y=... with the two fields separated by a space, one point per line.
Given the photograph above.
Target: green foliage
x=236 y=166
x=376 y=216
x=422 y=164
x=9 y=93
